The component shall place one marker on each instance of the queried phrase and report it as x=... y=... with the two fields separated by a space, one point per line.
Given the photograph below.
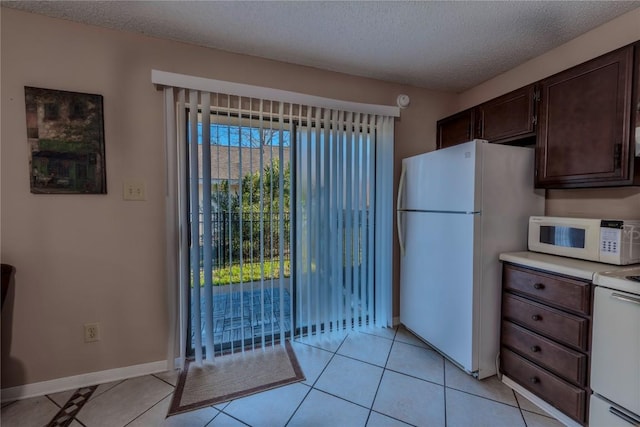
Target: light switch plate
x=133 y=190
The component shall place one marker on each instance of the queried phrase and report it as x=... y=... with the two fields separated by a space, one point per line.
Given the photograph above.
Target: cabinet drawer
x=568 y=398
x=566 y=328
x=563 y=361
x=563 y=292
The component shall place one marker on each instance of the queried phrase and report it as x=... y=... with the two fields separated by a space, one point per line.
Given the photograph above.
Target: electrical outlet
x=133 y=191
x=91 y=332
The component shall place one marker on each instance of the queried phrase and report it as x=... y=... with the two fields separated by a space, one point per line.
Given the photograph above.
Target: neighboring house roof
x=227 y=165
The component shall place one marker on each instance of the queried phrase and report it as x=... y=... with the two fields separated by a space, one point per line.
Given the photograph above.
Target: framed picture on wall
x=65 y=131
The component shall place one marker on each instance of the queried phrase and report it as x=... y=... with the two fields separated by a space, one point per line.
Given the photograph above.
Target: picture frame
x=65 y=132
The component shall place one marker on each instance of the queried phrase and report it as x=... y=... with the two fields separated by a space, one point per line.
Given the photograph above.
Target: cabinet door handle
x=536 y=317
x=535 y=348
x=534 y=380
x=624 y=416
x=538 y=285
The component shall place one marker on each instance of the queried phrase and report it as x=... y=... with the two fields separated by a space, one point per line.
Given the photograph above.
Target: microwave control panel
x=610 y=240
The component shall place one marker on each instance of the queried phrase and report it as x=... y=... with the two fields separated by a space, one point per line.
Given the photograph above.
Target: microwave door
x=576 y=238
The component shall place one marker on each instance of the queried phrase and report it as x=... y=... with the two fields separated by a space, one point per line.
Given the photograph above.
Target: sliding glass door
x=282 y=211
x=241 y=228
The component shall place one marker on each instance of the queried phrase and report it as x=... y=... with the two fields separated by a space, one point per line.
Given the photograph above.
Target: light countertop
x=560 y=265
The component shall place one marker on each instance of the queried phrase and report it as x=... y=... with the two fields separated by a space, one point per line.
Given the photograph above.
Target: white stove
x=625 y=279
x=615 y=354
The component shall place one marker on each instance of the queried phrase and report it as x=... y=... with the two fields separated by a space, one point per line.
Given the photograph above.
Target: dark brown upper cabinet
x=509 y=117
x=586 y=124
x=456 y=129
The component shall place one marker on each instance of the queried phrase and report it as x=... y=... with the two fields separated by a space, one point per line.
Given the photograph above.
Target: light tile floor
x=377 y=377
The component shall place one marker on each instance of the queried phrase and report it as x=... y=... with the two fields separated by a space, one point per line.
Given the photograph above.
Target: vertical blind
x=335 y=214
x=311 y=190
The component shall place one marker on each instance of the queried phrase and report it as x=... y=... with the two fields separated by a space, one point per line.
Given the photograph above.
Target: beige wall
x=608 y=203
x=97 y=258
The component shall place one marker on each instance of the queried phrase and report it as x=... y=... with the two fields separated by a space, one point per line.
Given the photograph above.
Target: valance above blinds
x=167 y=79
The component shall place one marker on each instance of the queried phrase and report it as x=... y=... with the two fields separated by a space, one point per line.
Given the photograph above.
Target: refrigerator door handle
x=399 y=207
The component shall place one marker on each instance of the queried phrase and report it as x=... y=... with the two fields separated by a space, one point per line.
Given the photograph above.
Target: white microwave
x=601 y=240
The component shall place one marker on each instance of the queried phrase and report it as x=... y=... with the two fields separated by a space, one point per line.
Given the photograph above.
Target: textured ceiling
x=448 y=45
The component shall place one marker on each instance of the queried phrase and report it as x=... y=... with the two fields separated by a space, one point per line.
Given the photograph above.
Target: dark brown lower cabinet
x=545 y=347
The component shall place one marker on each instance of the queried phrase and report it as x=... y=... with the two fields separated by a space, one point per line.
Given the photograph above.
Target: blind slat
x=207 y=238
x=371 y=229
x=196 y=317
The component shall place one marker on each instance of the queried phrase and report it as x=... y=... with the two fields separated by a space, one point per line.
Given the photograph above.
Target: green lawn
x=251 y=271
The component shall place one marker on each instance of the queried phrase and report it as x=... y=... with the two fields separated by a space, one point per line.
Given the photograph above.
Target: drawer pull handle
x=627 y=418
x=536 y=317
x=539 y=286
x=535 y=348
x=534 y=380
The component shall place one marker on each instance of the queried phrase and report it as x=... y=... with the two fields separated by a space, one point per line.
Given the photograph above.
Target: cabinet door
x=584 y=124
x=508 y=117
x=456 y=129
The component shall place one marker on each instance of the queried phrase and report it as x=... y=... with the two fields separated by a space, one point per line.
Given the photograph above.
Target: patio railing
x=235 y=233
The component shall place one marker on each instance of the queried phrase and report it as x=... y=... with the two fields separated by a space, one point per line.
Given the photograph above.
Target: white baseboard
x=78 y=381
x=541 y=403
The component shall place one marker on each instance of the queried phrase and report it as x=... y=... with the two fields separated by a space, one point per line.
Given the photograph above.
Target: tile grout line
x=360 y=360
x=444 y=380
x=519 y=408
x=314 y=383
x=384 y=369
x=47 y=396
x=416 y=378
x=228 y=415
x=393 y=418
x=163 y=380
x=483 y=397
x=546 y=414
x=7 y=404
x=364 y=407
x=150 y=407
x=96 y=396
x=302 y=401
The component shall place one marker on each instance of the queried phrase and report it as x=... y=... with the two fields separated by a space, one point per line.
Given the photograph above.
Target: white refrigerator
x=458 y=208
